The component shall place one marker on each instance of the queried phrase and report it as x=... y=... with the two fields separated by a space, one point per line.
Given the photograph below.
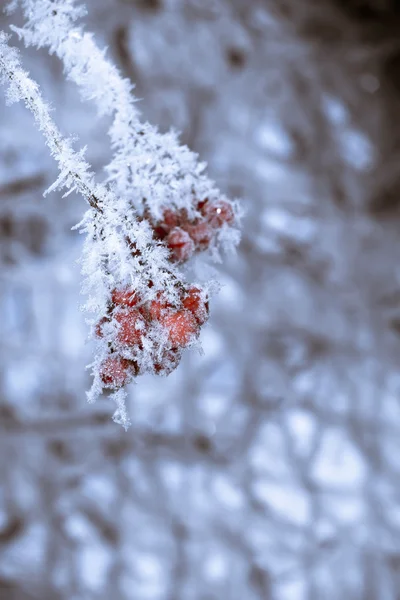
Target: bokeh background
x=267 y=468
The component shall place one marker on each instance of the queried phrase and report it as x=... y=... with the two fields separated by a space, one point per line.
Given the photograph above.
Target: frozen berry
x=217 y=213
x=183 y=217
x=201 y=234
x=181 y=327
x=170 y=219
x=201 y=204
x=196 y=303
x=168 y=362
x=124 y=297
x=160 y=232
x=115 y=371
x=158 y=306
x=131 y=327
x=180 y=244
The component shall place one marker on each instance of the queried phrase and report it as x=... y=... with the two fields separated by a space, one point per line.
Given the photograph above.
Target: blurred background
x=267 y=468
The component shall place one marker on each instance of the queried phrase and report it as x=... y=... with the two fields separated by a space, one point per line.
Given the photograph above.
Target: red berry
x=158 y=306
x=168 y=363
x=196 y=303
x=114 y=371
x=183 y=217
x=160 y=232
x=181 y=326
x=132 y=327
x=124 y=297
x=170 y=219
x=217 y=213
x=201 y=234
x=201 y=204
x=180 y=244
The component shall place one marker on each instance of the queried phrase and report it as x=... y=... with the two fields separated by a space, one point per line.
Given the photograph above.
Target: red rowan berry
x=217 y=213
x=180 y=244
x=181 y=327
x=114 y=371
x=132 y=327
x=169 y=362
x=201 y=234
x=183 y=217
x=201 y=204
x=196 y=303
x=160 y=232
x=124 y=297
x=170 y=219
x=158 y=306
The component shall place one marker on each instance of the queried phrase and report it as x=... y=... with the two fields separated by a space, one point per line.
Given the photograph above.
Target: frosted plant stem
x=118 y=222
x=152 y=170
x=28 y=91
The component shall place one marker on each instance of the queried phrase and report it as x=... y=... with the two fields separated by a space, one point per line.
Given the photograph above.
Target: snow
x=294 y=589
x=339 y=464
x=216 y=566
x=227 y=493
x=268 y=452
x=94 y=562
x=288 y=502
x=303 y=428
x=273 y=138
x=147 y=567
x=335 y=110
x=357 y=150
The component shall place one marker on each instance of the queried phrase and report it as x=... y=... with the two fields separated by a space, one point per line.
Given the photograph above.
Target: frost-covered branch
x=133 y=288
x=74 y=170
x=158 y=208
x=75 y=175
x=152 y=170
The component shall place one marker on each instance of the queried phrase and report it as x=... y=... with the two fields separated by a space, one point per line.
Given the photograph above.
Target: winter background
x=267 y=468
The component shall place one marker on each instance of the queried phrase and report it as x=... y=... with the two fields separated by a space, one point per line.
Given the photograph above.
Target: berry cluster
x=149 y=335
x=185 y=236
x=130 y=322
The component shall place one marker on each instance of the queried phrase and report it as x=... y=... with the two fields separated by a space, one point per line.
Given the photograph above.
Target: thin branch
x=22 y=87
